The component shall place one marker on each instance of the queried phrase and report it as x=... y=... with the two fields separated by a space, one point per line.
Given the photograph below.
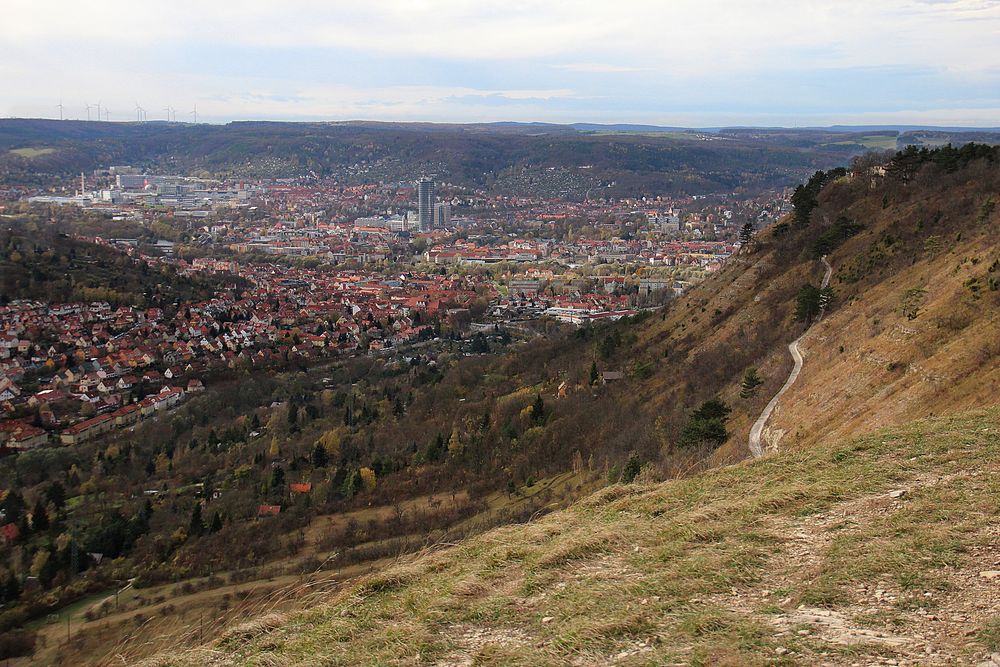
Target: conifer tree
x=197 y=524
x=751 y=381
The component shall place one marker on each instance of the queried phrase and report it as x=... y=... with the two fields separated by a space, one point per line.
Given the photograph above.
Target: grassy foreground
x=869 y=551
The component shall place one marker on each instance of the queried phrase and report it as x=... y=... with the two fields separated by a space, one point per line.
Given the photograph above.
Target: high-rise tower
x=442 y=215
x=425 y=203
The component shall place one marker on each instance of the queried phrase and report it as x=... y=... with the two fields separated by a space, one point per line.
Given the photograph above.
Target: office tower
x=442 y=215
x=425 y=203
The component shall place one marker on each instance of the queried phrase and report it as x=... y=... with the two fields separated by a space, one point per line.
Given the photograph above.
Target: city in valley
x=309 y=270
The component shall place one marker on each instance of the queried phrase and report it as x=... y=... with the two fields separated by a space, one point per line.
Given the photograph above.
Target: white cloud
x=689 y=34
x=599 y=68
x=517 y=51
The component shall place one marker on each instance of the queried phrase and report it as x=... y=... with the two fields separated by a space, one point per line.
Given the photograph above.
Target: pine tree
x=197 y=524
x=39 y=517
x=751 y=381
x=277 y=477
x=319 y=456
x=435 y=451
x=538 y=410
x=807 y=303
x=746 y=234
x=631 y=470
x=595 y=375
x=352 y=484
x=11 y=590
x=706 y=425
x=56 y=495
x=216 y=525
x=825 y=297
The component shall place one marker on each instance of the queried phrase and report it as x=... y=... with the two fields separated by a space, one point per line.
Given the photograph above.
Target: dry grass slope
x=866 y=551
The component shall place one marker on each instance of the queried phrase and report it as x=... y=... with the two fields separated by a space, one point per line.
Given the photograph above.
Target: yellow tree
x=367 y=479
x=330 y=441
x=278 y=423
x=39 y=561
x=454 y=443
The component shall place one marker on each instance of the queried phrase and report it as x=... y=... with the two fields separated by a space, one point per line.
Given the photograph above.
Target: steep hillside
x=915 y=330
x=914 y=321
x=753 y=563
x=874 y=551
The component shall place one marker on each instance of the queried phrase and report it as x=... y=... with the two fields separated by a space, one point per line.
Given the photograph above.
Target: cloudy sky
x=671 y=62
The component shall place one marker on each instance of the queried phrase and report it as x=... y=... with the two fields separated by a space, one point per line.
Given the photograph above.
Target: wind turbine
x=195 y=114
x=88 y=112
x=60 y=106
x=98 y=110
x=138 y=113
x=107 y=114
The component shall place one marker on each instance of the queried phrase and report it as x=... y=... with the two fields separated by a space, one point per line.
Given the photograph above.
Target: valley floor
x=880 y=551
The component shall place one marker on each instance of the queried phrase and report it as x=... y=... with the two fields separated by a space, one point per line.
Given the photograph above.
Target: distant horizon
x=636 y=127
x=686 y=63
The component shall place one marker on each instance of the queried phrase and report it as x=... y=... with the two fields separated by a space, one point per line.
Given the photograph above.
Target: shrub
x=631 y=470
x=17 y=643
x=706 y=425
x=909 y=303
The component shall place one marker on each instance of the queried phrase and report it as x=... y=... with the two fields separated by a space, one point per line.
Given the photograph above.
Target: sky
x=694 y=63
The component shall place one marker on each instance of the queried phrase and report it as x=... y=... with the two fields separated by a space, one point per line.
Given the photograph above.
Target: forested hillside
x=41 y=258
x=548 y=159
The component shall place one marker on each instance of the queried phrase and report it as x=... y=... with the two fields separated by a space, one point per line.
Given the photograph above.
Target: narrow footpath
x=793 y=348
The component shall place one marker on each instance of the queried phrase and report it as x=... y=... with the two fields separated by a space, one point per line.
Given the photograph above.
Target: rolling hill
x=42 y=259
x=560 y=160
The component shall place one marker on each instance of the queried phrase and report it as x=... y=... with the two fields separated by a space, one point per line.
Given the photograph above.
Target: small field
x=31 y=152
x=871 y=142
